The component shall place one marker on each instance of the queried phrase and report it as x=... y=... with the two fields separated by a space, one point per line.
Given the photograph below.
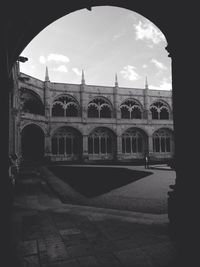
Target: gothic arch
x=65 y=105
x=33 y=123
x=163 y=141
x=134 y=142
x=102 y=142
x=131 y=108
x=160 y=110
x=32 y=142
x=66 y=142
x=31 y=102
x=100 y=107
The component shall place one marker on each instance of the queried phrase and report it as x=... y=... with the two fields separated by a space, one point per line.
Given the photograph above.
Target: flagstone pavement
x=48 y=233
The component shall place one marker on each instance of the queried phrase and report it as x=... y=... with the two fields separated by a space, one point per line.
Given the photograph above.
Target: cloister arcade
x=65 y=106
x=76 y=124
x=99 y=107
x=67 y=143
x=31 y=102
x=131 y=109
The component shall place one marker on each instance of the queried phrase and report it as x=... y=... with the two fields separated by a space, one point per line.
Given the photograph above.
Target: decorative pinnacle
x=83 y=78
x=146 y=84
x=47 y=75
x=116 y=81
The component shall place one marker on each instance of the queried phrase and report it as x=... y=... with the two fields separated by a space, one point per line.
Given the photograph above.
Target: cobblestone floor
x=46 y=232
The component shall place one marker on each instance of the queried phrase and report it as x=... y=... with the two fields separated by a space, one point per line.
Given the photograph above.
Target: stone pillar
x=83 y=103
x=146 y=101
x=47 y=145
x=85 y=147
x=47 y=99
x=115 y=98
x=150 y=145
x=119 y=147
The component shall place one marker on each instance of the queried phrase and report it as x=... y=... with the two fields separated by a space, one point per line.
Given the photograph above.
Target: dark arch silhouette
x=32 y=142
x=19 y=27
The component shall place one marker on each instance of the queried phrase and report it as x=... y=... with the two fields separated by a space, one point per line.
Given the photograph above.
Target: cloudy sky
x=102 y=42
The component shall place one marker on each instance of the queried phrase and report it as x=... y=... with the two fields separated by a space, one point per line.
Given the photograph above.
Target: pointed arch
x=32 y=142
x=31 y=102
x=102 y=143
x=66 y=142
x=65 y=106
x=160 y=110
x=134 y=142
x=163 y=141
x=131 y=109
x=100 y=107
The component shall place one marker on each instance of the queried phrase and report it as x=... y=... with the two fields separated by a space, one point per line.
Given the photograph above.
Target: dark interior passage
x=32 y=143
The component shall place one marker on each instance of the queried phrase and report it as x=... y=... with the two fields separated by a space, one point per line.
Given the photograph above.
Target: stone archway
x=32 y=142
x=19 y=27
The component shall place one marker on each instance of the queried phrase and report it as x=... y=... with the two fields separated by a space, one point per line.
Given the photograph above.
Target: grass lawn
x=95 y=181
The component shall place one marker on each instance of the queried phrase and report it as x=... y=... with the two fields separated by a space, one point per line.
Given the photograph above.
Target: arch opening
x=32 y=142
x=66 y=143
x=134 y=143
x=101 y=144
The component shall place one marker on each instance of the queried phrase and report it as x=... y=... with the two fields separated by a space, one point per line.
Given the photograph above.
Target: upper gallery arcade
x=89 y=122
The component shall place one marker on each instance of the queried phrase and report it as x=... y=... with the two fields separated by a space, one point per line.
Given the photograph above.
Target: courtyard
x=47 y=231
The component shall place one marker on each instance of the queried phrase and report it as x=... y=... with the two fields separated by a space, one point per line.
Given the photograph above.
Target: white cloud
x=158 y=64
x=61 y=68
x=164 y=85
x=58 y=58
x=42 y=59
x=77 y=71
x=129 y=73
x=144 y=66
x=53 y=57
x=146 y=30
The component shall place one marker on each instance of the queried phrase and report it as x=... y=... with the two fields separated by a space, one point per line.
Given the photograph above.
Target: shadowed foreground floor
x=94 y=181
x=121 y=188
x=48 y=233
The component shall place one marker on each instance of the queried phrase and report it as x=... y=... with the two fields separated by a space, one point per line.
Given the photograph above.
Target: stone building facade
x=80 y=122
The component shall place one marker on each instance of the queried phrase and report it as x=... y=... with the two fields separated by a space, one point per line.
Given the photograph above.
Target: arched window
x=99 y=108
x=66 y=142
x=105 y=111
x=131 y=109
x=162 y=141
x=31 y=102
x=93 y=111
x=101 y=142
x=58 y=110
x=65 y=106
x=133 y=142
x=159 y=111
x=164 y=113
x=71 y=110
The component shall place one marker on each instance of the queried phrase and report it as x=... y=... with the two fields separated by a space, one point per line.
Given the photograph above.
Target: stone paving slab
x=52 y=234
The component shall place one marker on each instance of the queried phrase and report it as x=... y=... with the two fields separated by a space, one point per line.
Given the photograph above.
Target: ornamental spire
x=146 y=84
x=83 y=78
x=47 y=75
x=116 y=81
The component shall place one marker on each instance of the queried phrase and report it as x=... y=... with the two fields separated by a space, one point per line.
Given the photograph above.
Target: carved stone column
x=47 y=145
x=119 y=147
x=150 y=145
x=85 y=147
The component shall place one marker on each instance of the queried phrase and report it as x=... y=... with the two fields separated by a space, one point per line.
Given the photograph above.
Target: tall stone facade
x=72 y=122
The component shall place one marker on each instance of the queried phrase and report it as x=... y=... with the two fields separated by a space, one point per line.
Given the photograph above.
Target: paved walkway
x=47 y=232
x=147 y=195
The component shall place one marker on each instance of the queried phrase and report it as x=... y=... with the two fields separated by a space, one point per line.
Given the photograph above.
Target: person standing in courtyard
x=146 y=162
